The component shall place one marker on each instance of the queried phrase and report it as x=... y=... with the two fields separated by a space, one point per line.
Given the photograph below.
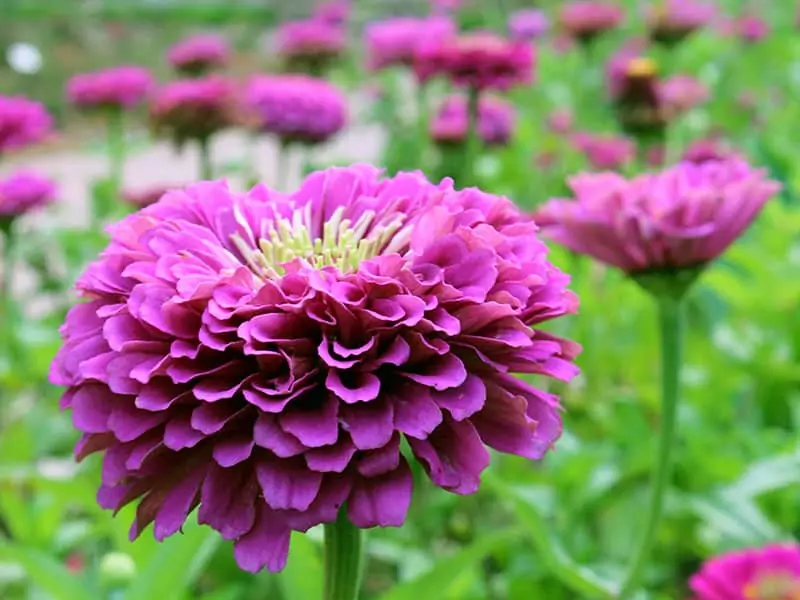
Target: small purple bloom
x=560 y=121
x=23 y=122
x=528 y=24
x=670 y=21
x=395 y=41
x=682 y=93
x=496 y=120
x=708 y=149
x=119 y=88
x=310 y=45
x=23 y=192
x=768 y=573
x=262 y=357
x=584 y=20
x=334 y=12
x=296 y=108
x=605 y=151
x=199 y=54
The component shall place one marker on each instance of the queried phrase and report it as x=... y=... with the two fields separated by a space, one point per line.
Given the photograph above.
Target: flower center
x=343 y=244
x=773 y=586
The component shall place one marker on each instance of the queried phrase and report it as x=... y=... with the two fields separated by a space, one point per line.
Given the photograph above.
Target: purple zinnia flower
x=263 y=356
x=199 y=54
x=496 y=120
x=334 y=12
x=527 y=24
x=296 y=108
x=682 y=217
x=310 y=45
x=118 y=88
x=605 y=151
x=477 y=61
x=768 y=573
x=23 y=122
x=682 y=93
x=23 y=192
x=395 y=41
x=670 y=21
x=584 y=20
x=194 y=109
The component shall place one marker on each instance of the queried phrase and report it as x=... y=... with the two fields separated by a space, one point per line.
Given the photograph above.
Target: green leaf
x=45 y=572
x=176 y=564
x=302 y=577
x=767 y=475
x=441 y=579
x=736 y=520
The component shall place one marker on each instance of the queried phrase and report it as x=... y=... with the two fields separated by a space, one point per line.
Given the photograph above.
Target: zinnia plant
x=198 y=55
x=263 y=356
x=662 y=229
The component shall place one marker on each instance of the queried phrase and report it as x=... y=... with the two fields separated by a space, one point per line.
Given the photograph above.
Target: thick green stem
x=670 y=312
x=473 y=139
x=343 y=559
x=206 y=167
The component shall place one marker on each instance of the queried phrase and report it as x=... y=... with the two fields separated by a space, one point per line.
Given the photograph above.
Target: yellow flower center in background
x=641 y=67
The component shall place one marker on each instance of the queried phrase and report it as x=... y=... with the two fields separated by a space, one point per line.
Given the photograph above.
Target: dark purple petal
x=381 y=501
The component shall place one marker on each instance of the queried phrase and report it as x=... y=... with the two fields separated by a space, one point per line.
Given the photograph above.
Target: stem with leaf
x=344 y=557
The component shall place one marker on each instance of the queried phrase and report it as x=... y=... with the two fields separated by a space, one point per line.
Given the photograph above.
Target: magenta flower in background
x=605 y=151
x=23 y=192
x=194 y=109
x=682 y=93
x=23 y=123
x=199 y=54
x=478 y=61
x=584 y=20
x=768 y=573
x=296 y=108
x=528 y=24
x=139 y=198
x=310 y=45
x=335 y=12
x=445 y=6
x=496 y=121
x=705 y=150
x=122 y=87
x=263 y=356
x=394 y=41
x=560 y=121
x=751 y=28
x=682 y=217
x=670 y=21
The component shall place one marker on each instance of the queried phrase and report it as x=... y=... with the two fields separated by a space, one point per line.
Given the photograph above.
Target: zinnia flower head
x=496 y=120
x=527 y=24
x=23 y=192
x=194 y=109
x=605 y=151
x=199 y=54
x=263 y=356
x=23 y=122
x=671 y=21
x=682 y=217
x=117 y=88
x=334 y=12
x=752 y=28
x=395 y=41
x=296 y=108
x=140 y=198
x=707 y=149
x=477 y=61
x=310 y=45
x=768 y=573
x=682 y=93
x=584 y=20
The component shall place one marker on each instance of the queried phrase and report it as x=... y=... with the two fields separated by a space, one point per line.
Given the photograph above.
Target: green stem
x=343 y=559
x=473 y=139
x=206 y=167
x=670 y=313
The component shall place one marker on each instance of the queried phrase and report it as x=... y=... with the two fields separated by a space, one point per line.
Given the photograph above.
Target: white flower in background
x=24 y=58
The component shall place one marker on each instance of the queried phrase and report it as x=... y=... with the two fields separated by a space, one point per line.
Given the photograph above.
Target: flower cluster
x=193 y=109
x=23 y=192
x=263 y=356
x=199 y=54
x=496 y=119
x=296 y=108
x=395 y=41
x=23 y=122
x=477 y=61
x=682 y=217
x=121 y=87
x=584 y=20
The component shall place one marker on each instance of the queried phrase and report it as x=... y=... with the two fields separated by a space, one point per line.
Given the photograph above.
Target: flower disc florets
x=262 y=356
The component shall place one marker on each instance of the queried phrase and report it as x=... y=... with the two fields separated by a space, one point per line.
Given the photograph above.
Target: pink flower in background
x=310 y=44
x=670 y=21
x=584 y=20
x=119 y=87
x=194 y=109
x=560 y=121
x=263 y=357
x=704 y=150
x=395 y=41
x=617 y=65
x=477 y=61
x=682 y=93
x=751 y=28
x=562 y=43
x=605 y=151
x=681 y=217
x=445 y=6
x=296 y=108
x=23 y=123
x=199 y=54
x=768 y=573
x=335 y=12
x=139 y=198
x=528 y=24
x=496 y=120
x=23 y=192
